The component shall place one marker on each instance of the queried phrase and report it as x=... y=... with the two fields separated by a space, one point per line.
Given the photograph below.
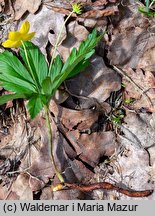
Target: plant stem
x=147 y=5
x=58 y=39
x=50 y=145
x=30 y=69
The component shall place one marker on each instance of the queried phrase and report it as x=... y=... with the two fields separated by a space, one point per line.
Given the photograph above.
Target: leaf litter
x=88 y=146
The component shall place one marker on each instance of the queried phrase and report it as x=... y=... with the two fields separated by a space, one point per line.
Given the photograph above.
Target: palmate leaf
x=37 y=62
x=78 y=60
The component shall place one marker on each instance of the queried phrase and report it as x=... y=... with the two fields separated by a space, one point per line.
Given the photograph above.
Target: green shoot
x=148 y=8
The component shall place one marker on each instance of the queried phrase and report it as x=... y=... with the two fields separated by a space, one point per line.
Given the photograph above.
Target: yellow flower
x=15 y=38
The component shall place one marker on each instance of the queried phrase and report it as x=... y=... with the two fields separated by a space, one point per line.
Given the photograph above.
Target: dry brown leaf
x=90 y=23
x=12 y=196
x=76 y=34
x=44 y=21
x=82 y=173
x=22 y=188
x=62 y=11
x=81 y=119
x=97 y=81
x=2 y=4
x=86 y=4
x=133 y=48
x=75 y=124
x=46 y=194
x=145 y=135
x=16 y=141
x=131 y=169
x=99 y=3
x=78 y=31
x=41 y=169
x=91 y=148
x=132 y=41
x=113 y=1
x=3 y=192
x=22 y=6
x=82 y=146
x=60 y=4
x=100 y=13
x=142 y=90
x=89 y=14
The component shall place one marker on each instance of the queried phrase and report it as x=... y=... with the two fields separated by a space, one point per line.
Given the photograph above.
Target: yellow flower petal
x=24 y=29
x=14 y=36
x=11 y=44
x=28 y=37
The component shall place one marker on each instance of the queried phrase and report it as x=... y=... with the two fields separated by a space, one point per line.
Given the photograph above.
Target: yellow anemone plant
x=37 y=82
x=15 y=39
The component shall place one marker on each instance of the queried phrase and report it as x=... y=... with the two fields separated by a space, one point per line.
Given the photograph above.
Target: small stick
x=109 y=186
x=104 y=186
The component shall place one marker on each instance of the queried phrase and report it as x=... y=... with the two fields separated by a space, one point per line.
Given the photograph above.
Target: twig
x=104 y=186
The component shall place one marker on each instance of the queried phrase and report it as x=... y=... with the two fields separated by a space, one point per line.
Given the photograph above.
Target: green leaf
x=11 y=66
x=37 y=62
x=145 y=11
x=80 y=67
x=16 y=85
x=35 y=105
x=14 y=76
x=47 y=86
x=70 y=60
x=55 y=70
x=77 y=58
x=5 y=98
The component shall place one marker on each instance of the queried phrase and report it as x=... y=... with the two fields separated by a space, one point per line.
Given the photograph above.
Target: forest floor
x=103 y=119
